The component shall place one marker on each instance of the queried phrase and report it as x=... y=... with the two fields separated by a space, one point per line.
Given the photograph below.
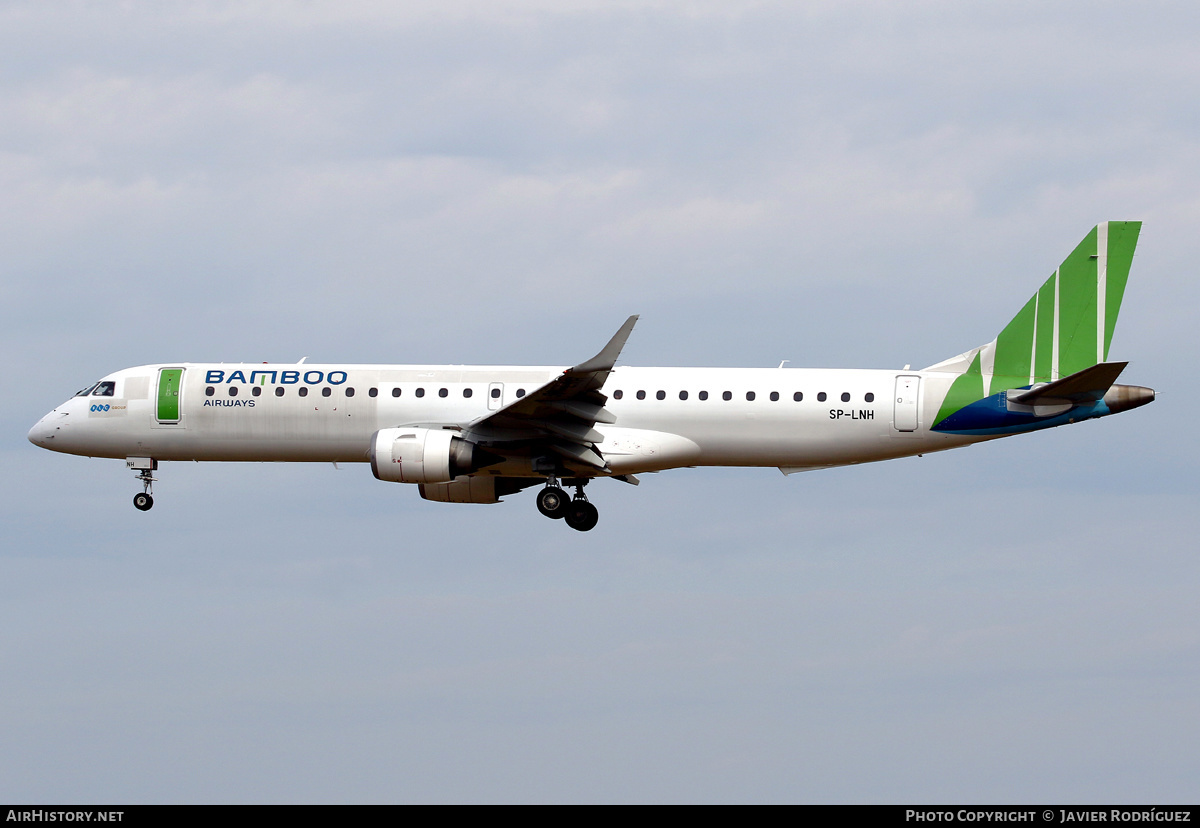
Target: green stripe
x=1045 y=331
x=1014 y=347
x=966 y=389
x=1122 y=239
x=1077 y=314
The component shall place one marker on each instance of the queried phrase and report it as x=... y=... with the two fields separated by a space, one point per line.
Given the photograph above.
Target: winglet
x=607 y=358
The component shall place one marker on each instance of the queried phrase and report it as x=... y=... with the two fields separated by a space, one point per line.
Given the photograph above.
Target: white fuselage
x=664 y=417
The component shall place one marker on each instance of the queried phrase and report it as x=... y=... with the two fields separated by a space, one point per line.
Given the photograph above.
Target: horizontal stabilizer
x=1086 y=386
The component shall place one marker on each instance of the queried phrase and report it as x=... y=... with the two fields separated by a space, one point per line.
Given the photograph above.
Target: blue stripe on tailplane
x=991 y=416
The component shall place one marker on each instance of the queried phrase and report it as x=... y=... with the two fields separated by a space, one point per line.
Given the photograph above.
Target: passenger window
x=727 y=395
x=870 y=397
x=303 y=392
x=442 y=392
x=495 y=393
x=373 y=392
x=798 y=396
x=641 y=395
x=683 y=395
x=661 y=395
x=520 y=393
x=325 y=392
x=420 y=392
x=618 y=394
x=349 y=392
x=822 y=396
x=279 y=391
x=774 y=396
x=256 y=391
x=703 y=395
x=103 y=389
x=233 y=390
x=467 y=392
x=845 y=396
x=750 y=396
x=208 y=392
x=395 y=392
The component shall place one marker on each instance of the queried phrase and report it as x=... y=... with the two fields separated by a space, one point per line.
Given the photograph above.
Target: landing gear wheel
x=581 y=515
x=553 y=502
x=142 y=502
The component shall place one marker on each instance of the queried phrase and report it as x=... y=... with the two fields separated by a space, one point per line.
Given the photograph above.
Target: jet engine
x=424 y=455
x=478 y=489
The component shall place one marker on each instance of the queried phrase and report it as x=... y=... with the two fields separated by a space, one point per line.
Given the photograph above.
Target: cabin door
x=905 y=413
x=170 y=381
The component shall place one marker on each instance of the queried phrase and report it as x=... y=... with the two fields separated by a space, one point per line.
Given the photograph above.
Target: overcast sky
x=838 y=184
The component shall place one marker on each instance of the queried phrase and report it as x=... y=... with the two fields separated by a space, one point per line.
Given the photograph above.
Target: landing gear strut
x=145 y=467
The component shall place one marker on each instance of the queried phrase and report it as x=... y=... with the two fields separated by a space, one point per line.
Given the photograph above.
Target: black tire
x=142 y=502
x=582 y=515
x=553 y=502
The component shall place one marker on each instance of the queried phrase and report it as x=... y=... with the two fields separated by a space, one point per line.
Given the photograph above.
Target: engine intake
x=423 y=455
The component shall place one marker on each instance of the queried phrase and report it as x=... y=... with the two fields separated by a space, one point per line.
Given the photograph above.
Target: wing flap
x=564 y=411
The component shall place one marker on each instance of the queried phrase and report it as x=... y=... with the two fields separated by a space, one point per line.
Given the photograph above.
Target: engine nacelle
x=478 y=489
x=420 y=455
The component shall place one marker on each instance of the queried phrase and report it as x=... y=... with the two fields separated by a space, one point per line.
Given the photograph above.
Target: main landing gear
x=145 y=467
x=578 y=512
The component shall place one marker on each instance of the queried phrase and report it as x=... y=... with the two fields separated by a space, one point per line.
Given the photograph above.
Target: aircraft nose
x=37 y=434
x=42 y=433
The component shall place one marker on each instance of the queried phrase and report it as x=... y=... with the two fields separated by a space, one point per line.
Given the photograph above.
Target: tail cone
x=1120 y=398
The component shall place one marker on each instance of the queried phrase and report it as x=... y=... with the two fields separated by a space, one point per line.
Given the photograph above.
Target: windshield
x=104 y=389
x=85 y=391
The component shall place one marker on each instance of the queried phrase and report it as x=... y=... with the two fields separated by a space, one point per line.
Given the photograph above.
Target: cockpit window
x=104 y=389
x=85 y=391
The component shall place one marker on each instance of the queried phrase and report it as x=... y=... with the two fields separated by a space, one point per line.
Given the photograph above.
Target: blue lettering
x=332 y=381
x=289 y=377
x=254 y=374
x=220 y=376
x=238 y=375
x=320 y=376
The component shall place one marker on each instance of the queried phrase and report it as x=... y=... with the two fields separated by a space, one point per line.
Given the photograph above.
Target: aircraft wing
x=560 y=416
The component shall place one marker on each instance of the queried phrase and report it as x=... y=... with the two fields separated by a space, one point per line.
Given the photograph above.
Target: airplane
x=475 y=434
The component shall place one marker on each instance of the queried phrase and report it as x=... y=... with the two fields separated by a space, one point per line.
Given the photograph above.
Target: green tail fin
x=1065 y=327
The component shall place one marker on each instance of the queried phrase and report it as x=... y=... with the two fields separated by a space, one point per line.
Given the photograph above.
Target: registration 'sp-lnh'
x=473 y=434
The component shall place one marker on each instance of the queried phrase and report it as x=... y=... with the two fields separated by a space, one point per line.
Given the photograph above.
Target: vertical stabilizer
x=1065 y=327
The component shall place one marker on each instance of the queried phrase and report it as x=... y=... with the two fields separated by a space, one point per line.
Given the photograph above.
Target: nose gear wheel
x=144 y=500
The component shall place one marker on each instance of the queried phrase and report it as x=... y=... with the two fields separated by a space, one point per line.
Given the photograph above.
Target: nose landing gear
x=145 y=467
